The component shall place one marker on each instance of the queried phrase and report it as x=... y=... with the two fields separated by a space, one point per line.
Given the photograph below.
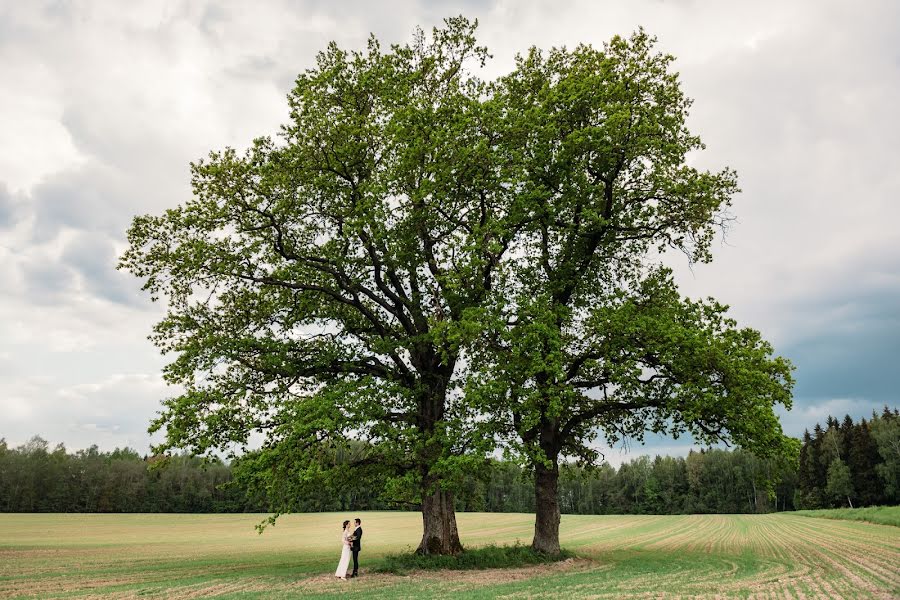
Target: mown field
x=198 y=556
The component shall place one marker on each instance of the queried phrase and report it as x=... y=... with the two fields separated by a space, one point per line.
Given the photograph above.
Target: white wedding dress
x=345 y=555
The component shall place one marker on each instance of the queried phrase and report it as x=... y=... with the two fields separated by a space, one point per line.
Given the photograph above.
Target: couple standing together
x=350 y=537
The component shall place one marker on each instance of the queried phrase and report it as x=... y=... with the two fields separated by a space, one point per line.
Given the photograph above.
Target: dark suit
x=355 y=548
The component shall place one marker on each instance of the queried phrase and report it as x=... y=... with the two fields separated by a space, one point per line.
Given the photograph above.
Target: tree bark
x=439 y=535
x=546 y=522
x=439 y=532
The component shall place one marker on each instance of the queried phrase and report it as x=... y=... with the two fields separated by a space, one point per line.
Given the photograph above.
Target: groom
x=357 y=534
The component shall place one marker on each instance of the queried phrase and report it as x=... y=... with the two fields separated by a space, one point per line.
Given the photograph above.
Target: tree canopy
x=435 y=264
x=321 y=287
x=589 y=331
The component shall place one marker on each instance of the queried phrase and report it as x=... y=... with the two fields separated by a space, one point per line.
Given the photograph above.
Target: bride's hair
x=344 y=526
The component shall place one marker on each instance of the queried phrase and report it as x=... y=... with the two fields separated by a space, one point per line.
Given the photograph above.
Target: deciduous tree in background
x=839 y=486
x=886 y=433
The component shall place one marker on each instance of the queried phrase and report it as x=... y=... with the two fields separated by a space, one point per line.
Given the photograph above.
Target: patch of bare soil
x=495 y=576
x=186 y=592
x=448 y=579
x=43 y=588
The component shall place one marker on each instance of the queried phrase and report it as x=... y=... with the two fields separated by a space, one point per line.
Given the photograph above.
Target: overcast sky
x=103 y=105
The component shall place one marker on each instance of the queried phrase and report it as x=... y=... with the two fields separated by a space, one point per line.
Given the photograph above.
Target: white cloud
x=34 y=119
x=655 y=446
x=103 y=106
x=806 y=416
x=112 y=412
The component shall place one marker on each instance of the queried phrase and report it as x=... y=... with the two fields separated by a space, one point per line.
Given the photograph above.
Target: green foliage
x=588 y=335
x=868 y=467
x=598 y=339
x=35 y=479
x=330 y=478
x=414 y=230
x=882 y=515
x=485 y=557
x=322 y=286
x=886 y=433
x=839 y=486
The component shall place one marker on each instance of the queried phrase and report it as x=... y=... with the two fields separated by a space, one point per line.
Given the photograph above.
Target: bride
x=346 y=541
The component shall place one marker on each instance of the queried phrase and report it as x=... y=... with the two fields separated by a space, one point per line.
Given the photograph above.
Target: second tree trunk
x=546 y=522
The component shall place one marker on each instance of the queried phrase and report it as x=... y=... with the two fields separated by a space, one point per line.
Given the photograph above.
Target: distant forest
x=841 y=464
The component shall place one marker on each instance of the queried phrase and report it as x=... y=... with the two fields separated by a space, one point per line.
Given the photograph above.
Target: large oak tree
x=331 y=284
x=322 y=286
x=590 y=335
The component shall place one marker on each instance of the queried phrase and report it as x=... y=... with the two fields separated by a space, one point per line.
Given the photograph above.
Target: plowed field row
x=220 y=556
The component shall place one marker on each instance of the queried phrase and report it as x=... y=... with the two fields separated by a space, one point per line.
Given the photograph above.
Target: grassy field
x=884 y=515
x=198 y=556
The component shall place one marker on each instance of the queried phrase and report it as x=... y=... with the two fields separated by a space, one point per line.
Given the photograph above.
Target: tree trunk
x=439 y=532
x=439 y=535
x=849 y=501
x=546 y=521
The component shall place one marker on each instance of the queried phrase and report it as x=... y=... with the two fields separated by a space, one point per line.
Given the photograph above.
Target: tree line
x=37 y=478
x=844 y=463
x=708 y=481
x=850 y=464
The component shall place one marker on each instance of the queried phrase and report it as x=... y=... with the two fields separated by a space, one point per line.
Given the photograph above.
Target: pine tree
x=819 y=468
x=806 y=476
x=862 y=459
x=846 y=429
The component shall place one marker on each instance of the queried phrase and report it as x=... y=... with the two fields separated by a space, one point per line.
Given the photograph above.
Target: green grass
x=883 y=515
x=222 y=556
x=485 y=557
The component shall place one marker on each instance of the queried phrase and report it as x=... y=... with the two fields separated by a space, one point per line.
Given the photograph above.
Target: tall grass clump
x=882 y=515
x=484 y=557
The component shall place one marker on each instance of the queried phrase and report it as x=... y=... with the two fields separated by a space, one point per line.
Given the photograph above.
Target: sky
x=104 y=104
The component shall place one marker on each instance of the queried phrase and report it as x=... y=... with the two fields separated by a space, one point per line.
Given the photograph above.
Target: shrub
x=484 y=557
